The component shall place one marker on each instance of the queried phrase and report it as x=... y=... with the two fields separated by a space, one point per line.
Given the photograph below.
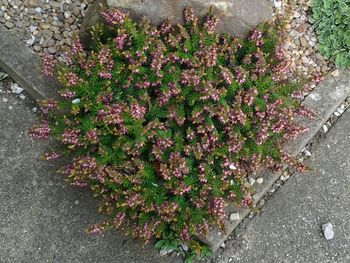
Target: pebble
x=284 y=177
x=10 y=107
x=34 y=109
x=303 y=42
x=325 y=128
x=340 y=110
x=335 y=73
x=328 y=232
x=251 y=180
x=31 y=41
x=5 y=100
x=22 y=97
x=260 y=180
x=76 y=202
x=15 y=88
x=234 y=216
x=9 y=24
x=307 y=152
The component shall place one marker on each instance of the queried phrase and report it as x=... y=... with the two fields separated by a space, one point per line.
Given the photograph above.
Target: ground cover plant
x=165 y=124
x=331 y=19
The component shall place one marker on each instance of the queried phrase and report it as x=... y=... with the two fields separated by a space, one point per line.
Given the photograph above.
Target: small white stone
x=223 y=245
x=327 y=229
x=232 y=167
x=335 y=73
x=340 y=111
x=278 y=4
x=5 y=100
x=284 y=177
x=307 y=152
x=251 y=180
x=76 y=202
x=67 y=14
x=32 y=28
x=76 y=101
x=10 y=107
x=31 y=41
x=325 y=128
x=337 y=114
x=234 y=216
x=260 y=180
x=38 y=10
x=15 y=88
x=34 y=109
x=21 y=96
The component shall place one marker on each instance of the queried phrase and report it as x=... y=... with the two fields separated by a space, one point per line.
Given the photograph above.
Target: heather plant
x=331 y=19
x=164 y=124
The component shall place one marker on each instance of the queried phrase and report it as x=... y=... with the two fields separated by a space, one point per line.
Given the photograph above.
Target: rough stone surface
x=324 y=100
x=289 y=227
x=238 y=16
x=42 y=218
x=24 y=66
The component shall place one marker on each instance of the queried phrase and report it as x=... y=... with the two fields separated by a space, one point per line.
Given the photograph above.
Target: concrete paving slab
x=42 y=218
x=24 y=66
x=290 y=226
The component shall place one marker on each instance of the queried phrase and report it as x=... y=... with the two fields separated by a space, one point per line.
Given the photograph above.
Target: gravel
x=46 y=26
x=301 y=45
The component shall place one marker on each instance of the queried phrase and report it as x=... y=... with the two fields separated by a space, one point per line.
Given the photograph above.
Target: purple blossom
x=40 y=131
x=120 y=41
x=48 y=65
x=70 y=136
x=210 y=24
x=114 y=17
x=51 y=156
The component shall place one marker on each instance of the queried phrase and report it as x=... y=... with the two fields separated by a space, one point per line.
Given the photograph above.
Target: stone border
x=23 y=66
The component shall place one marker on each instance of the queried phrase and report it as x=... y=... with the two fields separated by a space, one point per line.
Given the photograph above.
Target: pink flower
x=51 y=156
x=114 y=17
x=72 y=79
x=48 y=65
x=40 y=131
x=70 y=136
x=105 y=75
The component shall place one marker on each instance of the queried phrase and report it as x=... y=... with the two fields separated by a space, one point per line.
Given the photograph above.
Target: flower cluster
x=48 y=65
x=164 y=124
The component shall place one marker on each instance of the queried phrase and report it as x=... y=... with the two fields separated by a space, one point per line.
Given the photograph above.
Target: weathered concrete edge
x=324 y=100
x=23 y=65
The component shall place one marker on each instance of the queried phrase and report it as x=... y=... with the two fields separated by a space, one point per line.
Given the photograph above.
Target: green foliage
x=331 y=19
x=165 y=124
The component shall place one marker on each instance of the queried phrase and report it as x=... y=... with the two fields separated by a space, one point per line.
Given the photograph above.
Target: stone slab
x=23 y=65
x=236 y=16
x=324 y=100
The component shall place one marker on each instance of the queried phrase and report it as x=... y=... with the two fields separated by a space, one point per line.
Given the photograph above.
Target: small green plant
x=165 y=123
x=331 y=19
